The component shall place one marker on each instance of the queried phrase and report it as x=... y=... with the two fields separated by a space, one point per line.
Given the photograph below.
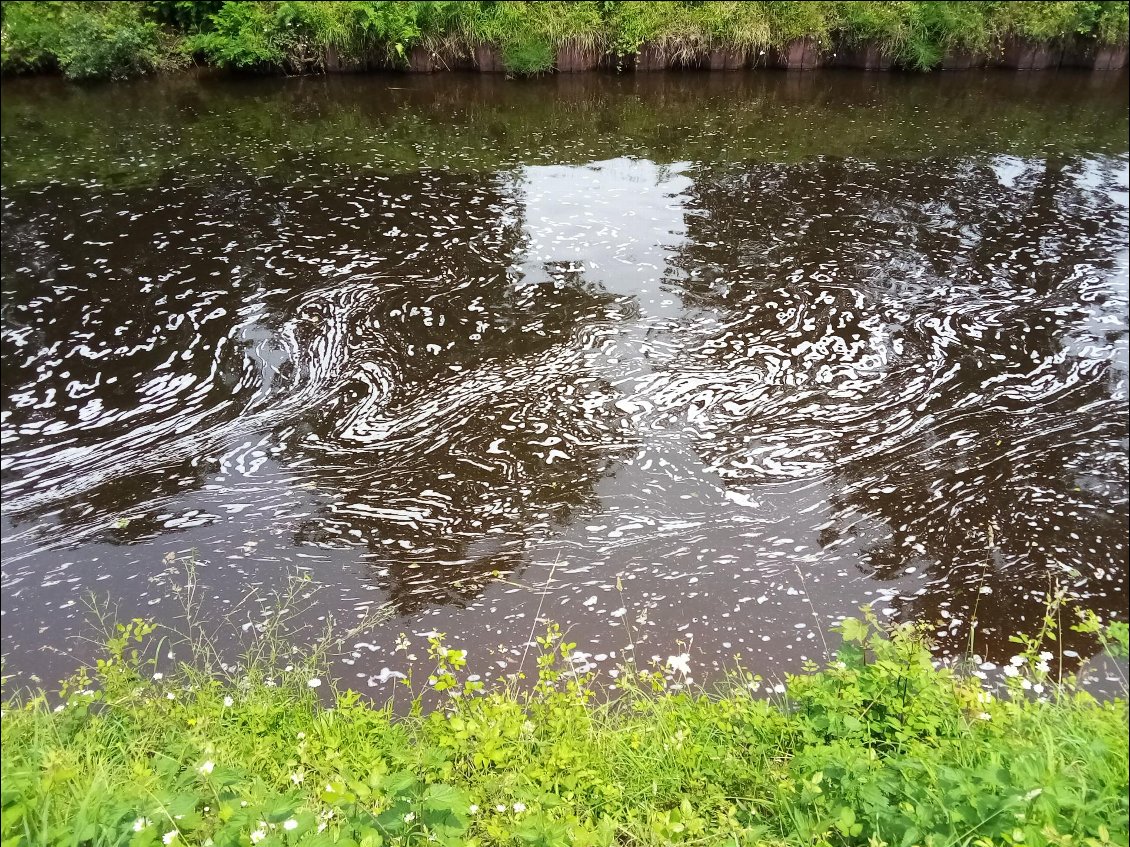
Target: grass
x=103 y=39
x=880 y=747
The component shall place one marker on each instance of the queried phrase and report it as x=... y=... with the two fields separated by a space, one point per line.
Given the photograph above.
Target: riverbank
x=879 y=747
x=117 y=40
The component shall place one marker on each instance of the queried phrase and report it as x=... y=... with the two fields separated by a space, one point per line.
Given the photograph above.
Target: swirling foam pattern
x=718 y=402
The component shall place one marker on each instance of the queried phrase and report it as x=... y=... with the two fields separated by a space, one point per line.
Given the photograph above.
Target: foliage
x=89 y=39
x=879 y=747
x=84 y=40
x=529 y=34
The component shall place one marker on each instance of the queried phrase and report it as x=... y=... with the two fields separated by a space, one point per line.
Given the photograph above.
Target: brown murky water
x=762 y=347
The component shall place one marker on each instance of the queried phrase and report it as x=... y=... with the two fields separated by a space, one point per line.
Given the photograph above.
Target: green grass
x=118 y=39
x=880 y=747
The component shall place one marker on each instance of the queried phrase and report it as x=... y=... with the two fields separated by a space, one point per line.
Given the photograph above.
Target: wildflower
x=170 y=836
x=297 y=778
x=680 y=663
x=1016 y=661
x=228 y=702
x=984 y=697
x=1025 y=684
x=500 y=808
x=207 y=767
x=411 y=816
x=258 y=835
x=985 y=716
x=779 y=688
x=519 y=807
x=158 y=676
x=170 y=696
x=473 y=809
x=290 y=823
x=1011 y=670
x=300 y=736
x=528 y=727
x=314 y=683
x=140 y=824
x=1033 y=794
x=59 y=708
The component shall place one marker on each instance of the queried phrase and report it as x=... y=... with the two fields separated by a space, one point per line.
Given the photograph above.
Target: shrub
x=85 y=40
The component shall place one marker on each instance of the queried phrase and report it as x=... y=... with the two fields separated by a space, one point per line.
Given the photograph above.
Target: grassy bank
x=879 y=747
x=119 y=39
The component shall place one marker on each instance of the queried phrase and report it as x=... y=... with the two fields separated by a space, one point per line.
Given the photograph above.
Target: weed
x=881 y=746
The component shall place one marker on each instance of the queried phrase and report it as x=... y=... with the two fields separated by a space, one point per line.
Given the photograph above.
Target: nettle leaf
x=393 y=820
x=224 y=777
x=396 y=784
x=440 y=796
x=444 y=820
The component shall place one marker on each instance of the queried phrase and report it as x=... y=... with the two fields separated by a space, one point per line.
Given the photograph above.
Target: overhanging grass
x=100 y=39
x=879 y=747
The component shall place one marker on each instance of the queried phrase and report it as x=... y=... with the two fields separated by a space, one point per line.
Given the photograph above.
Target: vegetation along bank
x=883 y=746
x=88 y=40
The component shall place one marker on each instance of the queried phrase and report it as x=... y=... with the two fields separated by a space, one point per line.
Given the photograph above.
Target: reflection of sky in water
x=616 y=222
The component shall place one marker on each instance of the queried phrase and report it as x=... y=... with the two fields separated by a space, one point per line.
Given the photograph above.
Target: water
x=699 y=362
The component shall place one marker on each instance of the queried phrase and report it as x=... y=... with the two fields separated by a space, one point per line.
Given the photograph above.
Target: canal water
x=685 y=363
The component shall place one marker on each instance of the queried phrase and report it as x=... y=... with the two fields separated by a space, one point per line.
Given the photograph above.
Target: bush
x=85 y=40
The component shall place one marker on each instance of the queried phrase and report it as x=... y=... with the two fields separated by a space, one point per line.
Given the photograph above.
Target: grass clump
x=880 y=747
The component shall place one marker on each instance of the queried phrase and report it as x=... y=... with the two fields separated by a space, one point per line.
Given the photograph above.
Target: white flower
x=290 y=823
x=472 y=809
x=207 y=767
x=411 y=816
x=158 y=675
x=1011 y=670
x=297 y=778
x=257 y=836
x=519 y=807
x=140 y=824
x=170 y=696
x=170 y=836
x=1025 y=684
x=778 y=688
x=228 y=702
x=985 y=716
x=314 y=683
x=680 y=663
x=1033 y=794
x=500 y=808
x=300 y=736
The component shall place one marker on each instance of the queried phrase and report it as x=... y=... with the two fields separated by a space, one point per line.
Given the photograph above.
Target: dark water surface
x=761 y=347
